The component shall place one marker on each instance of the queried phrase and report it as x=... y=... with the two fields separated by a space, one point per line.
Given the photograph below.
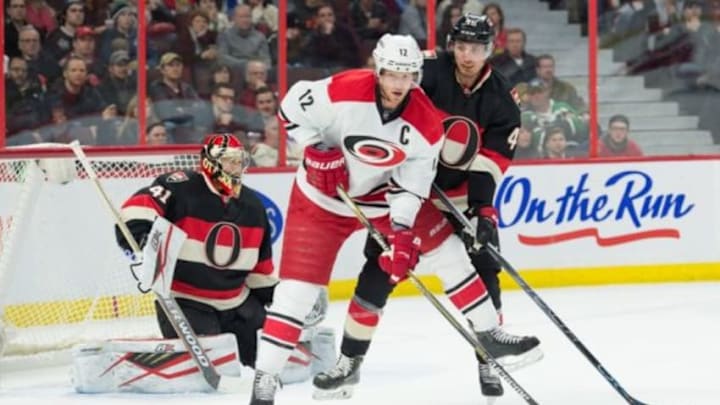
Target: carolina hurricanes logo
x=462 y=142
x=374 y=151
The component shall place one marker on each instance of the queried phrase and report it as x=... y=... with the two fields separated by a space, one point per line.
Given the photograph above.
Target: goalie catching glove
x=402 y=256
x=154 y=270
x=325 y=167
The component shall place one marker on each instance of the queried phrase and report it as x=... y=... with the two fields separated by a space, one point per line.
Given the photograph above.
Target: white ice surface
x=659 y=341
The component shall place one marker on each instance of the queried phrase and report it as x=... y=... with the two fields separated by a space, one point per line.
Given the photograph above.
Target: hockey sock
x=293 y=300
x=360 y=324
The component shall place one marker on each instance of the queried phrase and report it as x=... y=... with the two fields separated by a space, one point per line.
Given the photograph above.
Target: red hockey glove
x=402 y=257
x=325 y=167
x=485 y=221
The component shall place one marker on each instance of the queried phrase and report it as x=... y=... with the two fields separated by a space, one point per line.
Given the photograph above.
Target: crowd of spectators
x=212 y=67
x=675 y=45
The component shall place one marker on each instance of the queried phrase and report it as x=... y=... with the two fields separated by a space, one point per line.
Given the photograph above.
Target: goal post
x=63 y=279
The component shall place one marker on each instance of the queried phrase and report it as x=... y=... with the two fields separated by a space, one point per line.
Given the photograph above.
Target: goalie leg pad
x=154 y=366
x=310 y=357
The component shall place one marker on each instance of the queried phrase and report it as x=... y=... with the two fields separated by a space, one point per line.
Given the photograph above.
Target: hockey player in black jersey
x=482 y=121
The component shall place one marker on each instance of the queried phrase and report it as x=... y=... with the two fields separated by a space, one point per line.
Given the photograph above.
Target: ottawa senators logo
x=373 y=151
x=462 y=142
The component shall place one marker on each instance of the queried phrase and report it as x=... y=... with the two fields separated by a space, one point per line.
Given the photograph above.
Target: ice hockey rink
x=659 y=341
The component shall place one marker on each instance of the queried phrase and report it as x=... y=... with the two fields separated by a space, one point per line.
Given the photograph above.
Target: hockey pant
x=451 y=264
x=243 y=322
x=485 y=266
x=313 y=237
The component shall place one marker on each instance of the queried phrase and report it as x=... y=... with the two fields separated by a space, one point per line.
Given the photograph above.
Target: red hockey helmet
x=223 y=159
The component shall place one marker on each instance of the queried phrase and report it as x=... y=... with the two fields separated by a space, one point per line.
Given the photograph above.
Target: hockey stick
x=380 y=239
x=167 y=303
x=536 y=298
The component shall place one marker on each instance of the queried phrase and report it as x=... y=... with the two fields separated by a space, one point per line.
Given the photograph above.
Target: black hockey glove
x=485 y=221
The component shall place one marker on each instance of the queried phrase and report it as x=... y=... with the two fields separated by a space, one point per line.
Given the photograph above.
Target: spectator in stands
x=449 y=17
x=629 y=33
x=197 y=45
x=14 y=21
x=672 y=56
x=175 y=102
x=554 y=143
x=515 y=64
x=128 y=130
x=219 y=21
x=559 y=89
x=413 y=21
x=83 y=46
x=256 y=77
x=709 y=80
x=74 y=100
x=264 y=15
x=39 y=61
x=370 y=20
x=266 y=109
x=296 y=42
x=617 y=141
x=223 y=116
x=265 y=152
x=124 y=25
x=41 y=16
x=497 y=18
x=59 y=42
x=24 y=99
x=156 y=134
x=241 y=42
x=222 y=74
x=120 y=85
x=528 y=141
x=332 y=45
x=545 y=111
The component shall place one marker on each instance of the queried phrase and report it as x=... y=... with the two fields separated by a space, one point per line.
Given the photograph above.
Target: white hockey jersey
x=391 y=159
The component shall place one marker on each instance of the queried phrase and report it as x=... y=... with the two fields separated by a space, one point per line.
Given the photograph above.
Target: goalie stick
x=380 y=239
x=536 y=298
x=168 y=304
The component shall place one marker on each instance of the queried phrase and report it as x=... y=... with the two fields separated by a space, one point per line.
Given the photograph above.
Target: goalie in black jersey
x=223 y=277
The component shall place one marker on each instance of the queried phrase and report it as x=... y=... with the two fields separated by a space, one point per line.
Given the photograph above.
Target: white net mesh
x=63 y=280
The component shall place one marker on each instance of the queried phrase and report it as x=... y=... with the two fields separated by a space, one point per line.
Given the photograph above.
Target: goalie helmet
x=472 y=28
x=398 y=53
x=225 y=149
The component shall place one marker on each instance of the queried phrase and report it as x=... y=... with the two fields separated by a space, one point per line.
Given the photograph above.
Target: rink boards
x=560 y=224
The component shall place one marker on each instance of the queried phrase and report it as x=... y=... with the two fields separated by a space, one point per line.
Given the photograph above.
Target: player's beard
x=391 y=100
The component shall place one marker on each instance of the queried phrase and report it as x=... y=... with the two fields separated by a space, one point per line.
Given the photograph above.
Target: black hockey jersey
x=481 y=127
x=228 y=250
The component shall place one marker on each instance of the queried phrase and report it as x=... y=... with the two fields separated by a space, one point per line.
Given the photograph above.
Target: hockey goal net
x=63 y=279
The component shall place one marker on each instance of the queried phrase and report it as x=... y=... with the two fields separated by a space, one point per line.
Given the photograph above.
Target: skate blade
x=513 y=363
x=344 y=392
x=491 y=400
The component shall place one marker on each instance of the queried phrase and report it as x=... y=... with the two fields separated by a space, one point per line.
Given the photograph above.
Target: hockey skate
x=511 y=351
x=338 y=382
x=490 y=385
x=264 y=387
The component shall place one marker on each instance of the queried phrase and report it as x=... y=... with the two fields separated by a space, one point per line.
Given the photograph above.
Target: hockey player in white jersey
x=376 y=134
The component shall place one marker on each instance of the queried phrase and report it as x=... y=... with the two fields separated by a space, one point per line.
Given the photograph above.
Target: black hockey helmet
x=472 y=28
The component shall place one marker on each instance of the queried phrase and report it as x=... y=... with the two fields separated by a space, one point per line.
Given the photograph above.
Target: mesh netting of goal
x=63 y=279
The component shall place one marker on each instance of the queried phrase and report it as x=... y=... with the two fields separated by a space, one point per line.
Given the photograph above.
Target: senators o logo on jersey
x=374 y=151
x=462 y=142
x=225 y=232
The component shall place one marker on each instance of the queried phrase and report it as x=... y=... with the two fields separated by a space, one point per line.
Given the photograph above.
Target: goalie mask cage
x=63 y=278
